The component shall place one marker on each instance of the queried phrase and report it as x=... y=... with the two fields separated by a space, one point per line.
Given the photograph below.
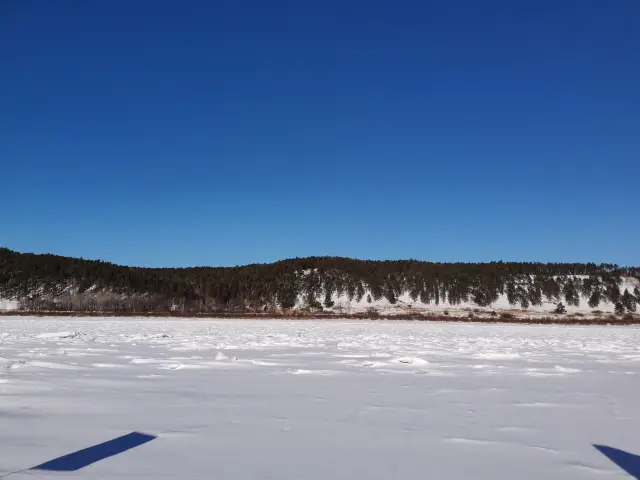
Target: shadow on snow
x=95 y=453
x=629 y=462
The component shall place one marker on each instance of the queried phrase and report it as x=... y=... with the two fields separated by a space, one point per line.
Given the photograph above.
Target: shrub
x=314 y=304
x=372 y=312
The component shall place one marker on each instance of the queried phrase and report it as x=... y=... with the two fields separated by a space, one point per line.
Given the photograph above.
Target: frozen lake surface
x=319 y=400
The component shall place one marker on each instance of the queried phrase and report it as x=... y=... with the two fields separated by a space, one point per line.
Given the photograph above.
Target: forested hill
x=50 y=282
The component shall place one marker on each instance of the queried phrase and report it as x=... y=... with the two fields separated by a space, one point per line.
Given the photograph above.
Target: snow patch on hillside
x=405 y=304
x=7 y=304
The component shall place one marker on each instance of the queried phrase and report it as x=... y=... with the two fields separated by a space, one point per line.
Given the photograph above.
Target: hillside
x=319 y=284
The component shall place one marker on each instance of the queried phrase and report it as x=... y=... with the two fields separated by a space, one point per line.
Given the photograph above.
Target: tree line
x=50 y=282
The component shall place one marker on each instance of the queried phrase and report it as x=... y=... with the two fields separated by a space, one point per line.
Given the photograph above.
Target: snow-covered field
x=319 y=400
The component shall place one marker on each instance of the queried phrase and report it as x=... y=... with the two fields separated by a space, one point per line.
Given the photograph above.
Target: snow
x=318 y=399
x=59 y=335
x=8 y=304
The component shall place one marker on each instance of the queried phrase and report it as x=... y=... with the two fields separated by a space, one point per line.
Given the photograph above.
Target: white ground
x=319 y=400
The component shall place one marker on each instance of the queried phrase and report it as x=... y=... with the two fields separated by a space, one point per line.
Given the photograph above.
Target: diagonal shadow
x=95 y=453
x=629 y=462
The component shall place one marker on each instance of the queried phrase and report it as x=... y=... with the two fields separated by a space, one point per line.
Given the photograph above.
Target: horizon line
x=309 y=257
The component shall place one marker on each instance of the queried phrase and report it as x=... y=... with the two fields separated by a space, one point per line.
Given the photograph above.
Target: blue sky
x=173 y=133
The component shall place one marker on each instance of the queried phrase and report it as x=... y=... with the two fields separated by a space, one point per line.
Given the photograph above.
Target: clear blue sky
x=175 y=133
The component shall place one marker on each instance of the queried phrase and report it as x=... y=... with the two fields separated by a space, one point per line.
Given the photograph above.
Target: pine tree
x=313 y=303
x=535 y=294
x=287 y=298
x=328 y=302
x=511 y=293
x=391 y=296
x=613 y=293
x=628 y=301
x=551 y=289
x=618 y=308
x=571 y=293
x=594 y=299
x=560 y=308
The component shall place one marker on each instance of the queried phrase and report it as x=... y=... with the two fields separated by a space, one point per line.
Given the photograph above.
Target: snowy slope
x=306 y=292
x=406 y=304
x=318 y=400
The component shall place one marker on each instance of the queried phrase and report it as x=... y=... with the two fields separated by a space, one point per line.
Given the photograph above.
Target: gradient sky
x=176 y=133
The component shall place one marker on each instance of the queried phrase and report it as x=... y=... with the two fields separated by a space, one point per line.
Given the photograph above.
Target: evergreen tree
x=618 y=308
x=286 y=298
x=612 y=292
x=628 y=301
x=571 y=293
x=594 y=299
x=535 y=294
x=391 y=296
x=551 y=289
x=560 y=308
x=313 y=303
x=511 y=293
x=328 y=302
x=424 y=296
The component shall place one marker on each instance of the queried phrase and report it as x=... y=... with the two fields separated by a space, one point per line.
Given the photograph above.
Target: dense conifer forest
x=44 y=282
